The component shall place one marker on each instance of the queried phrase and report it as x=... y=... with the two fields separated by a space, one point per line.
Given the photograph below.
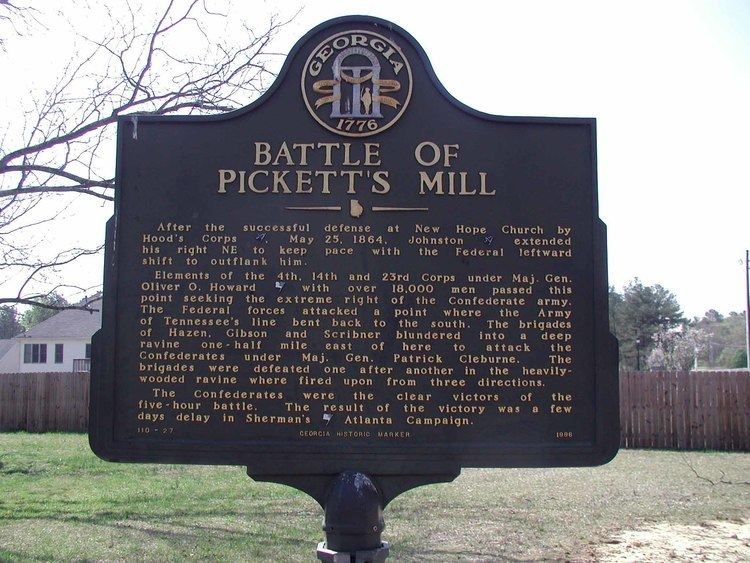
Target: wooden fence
x=41 y=402
x=684 y=410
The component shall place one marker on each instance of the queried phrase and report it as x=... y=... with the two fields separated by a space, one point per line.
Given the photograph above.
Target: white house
x=61 y=343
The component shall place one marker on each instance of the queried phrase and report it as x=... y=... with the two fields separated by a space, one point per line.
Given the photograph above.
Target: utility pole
x=747 y=308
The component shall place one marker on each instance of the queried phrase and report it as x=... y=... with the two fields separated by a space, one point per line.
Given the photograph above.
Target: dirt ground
x=709 y=541
x=645 y=505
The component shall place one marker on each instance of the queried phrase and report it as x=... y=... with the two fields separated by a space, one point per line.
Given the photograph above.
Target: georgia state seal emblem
x=356 y=83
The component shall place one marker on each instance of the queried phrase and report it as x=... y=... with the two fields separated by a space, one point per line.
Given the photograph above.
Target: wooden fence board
x=721 y=413
x=627 y=411
x=664 y=435
x=650 y=411
x=696 y=416
x=677 y=397
x=704 y=411
x=659 y=426
x=725 y=437
x=737 y=387
x=641 y=432
x=741 y=412
x=671 y=441
x=623 y=426
x=633 y=409
x=671 y=399
x=708 y=395
x=636 y=409
x=626 y=425
x=718 y=412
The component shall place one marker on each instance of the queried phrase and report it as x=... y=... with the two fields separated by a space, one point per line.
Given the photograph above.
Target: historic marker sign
x=356 y=271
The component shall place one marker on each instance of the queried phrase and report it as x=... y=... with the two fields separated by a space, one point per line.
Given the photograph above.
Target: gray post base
x=378 y=555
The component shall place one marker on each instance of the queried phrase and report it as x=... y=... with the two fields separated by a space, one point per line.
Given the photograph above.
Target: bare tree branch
x=18 y=19
x=722 y=480
x=65 y=257
x=58 y=172
x=35 y=302
x=83 y=189
x=153 y=59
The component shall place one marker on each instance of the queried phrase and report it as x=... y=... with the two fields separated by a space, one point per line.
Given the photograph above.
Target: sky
x=667 y=81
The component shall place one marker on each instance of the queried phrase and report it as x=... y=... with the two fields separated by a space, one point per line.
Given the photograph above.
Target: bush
x=739 y=360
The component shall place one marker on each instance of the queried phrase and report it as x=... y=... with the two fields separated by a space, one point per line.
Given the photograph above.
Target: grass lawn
x=59 y=502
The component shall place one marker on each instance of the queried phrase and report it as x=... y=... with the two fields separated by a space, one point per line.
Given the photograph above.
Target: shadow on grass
x=11 y=556
x=19 y=471
x=169 y=520
x=124 y=510
x=176 y=529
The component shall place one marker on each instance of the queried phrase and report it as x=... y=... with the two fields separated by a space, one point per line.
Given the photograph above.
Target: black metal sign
x=356 y=271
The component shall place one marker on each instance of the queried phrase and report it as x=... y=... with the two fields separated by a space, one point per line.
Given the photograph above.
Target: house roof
x=69 y=323
x=5 y=345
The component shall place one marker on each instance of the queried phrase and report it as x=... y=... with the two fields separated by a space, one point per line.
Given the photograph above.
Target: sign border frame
x=319 y=459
